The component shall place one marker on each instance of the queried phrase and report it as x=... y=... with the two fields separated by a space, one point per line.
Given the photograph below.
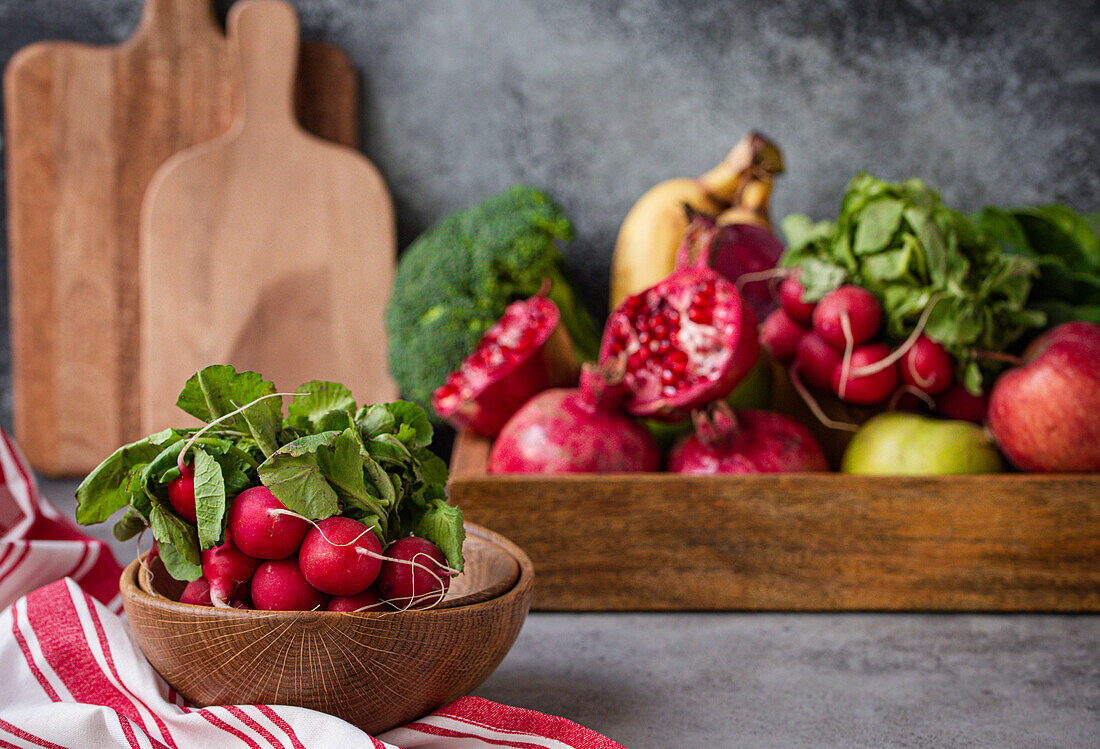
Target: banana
x=736 y=189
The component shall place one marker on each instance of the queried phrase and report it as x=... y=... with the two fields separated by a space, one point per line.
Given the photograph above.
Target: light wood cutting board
x=86 y=127
x=268 y=248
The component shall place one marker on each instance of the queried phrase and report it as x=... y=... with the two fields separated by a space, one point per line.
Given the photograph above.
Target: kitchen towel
x=71 y=675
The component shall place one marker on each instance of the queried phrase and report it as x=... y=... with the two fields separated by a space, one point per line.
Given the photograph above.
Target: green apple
x=905 y=444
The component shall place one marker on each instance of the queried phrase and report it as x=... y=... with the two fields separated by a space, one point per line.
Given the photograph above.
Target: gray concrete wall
x=594 y=100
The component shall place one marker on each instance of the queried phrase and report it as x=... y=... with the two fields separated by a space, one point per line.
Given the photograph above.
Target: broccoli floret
x=455 y=280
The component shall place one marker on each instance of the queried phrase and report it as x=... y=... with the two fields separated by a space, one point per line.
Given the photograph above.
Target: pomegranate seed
x=701 y=315
x=668 y=390
x=637 y=359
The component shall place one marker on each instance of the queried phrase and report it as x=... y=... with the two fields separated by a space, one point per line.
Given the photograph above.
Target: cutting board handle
x=263 y=38
x=176 y=14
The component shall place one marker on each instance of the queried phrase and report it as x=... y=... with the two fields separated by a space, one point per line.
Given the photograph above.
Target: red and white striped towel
x=71 y=676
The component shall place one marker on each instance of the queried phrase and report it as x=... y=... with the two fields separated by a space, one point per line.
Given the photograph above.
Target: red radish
x=869 y=388
x=741 y=249
x=959 y=403
x=862 y=308
x=780 y=334
x=197 y=593
x=927 y=366
x=746 y=442
x=279 y=585
x=340 y=556
x=414 y=574
x=226 y=568
x=815 y=360
x=790 y=299
x=368 y=600
x=261 y=527
x=576 y=431
x=181 y=493
x=523 y=353
x=1045 y=414
x=687 y=341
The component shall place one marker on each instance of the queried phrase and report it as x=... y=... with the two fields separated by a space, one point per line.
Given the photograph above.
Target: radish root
x=849 y=346
x=900 y=351
x=815 y=407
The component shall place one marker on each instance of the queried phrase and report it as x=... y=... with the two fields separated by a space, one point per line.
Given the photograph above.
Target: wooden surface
x=374 y=669
x=85 y=129
x=267 y=248
x=1006 y=542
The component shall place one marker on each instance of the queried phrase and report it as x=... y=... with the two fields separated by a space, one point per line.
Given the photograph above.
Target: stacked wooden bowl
x=376 y=670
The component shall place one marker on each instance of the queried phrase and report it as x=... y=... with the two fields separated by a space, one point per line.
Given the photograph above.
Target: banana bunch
x=736 y=191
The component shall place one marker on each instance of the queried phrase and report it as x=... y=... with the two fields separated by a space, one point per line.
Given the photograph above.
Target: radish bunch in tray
x=834 y=345
x=329 y=506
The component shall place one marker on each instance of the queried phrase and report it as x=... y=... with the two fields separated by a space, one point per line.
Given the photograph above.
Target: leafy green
x=209 y=499
x=1066 y=248
x=902 y=243
x=218 y=390
x=455 y=279
x=108 y=488
x=441 y=524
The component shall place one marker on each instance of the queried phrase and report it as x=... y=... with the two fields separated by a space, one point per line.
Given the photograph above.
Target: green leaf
x=294 y=476
x=131 y=524
x=209 y=500
x=433 y=469
x=413 y=427
x=317 y=399
x=218 y=390
x=374 y=420
x=342 y=465
x=107 y=489
x=878 y=222
x=177 y=565
x=441 y=524
x=172 y=531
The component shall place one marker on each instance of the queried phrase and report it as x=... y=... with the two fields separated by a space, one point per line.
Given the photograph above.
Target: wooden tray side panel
x=797 y=542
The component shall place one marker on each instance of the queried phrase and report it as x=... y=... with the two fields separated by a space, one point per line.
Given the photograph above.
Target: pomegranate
x=576 y=430
x=687 y=341
x=523 y=353
x=746 y=442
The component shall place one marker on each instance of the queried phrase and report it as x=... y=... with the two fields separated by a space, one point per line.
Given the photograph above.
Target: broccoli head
x=454 y=281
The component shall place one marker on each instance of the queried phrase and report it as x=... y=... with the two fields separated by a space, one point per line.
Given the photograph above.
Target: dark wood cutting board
x=86 y=128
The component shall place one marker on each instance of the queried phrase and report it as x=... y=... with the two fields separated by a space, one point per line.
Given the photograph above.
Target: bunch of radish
x=834 y=345
x=275 y=560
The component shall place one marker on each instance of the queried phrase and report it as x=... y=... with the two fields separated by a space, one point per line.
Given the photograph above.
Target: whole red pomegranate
x=687 y=341
x=523 y=353
x=576 y=431
x=1045 y=414
x=746 y=442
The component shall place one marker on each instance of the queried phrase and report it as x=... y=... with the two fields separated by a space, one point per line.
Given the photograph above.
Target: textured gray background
x=595 y=100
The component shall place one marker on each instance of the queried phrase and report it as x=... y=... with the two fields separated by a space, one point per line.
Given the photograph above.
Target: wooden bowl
x=376 y=670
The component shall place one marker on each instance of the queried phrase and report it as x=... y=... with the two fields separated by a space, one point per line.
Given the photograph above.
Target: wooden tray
x=795 y=542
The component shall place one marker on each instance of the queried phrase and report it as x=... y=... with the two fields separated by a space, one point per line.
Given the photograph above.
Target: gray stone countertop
x=712 y=680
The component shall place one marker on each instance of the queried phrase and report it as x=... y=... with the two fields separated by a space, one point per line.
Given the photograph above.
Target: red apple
x=1045 y=414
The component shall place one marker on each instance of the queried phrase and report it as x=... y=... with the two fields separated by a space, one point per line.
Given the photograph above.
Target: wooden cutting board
x=86 y=127
x=268 y=248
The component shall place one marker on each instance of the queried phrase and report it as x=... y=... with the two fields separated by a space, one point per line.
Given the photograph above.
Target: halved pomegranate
x=687 y=341
x=525 y=352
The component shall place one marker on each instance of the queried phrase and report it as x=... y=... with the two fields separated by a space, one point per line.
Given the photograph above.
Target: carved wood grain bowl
x=376 y=670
